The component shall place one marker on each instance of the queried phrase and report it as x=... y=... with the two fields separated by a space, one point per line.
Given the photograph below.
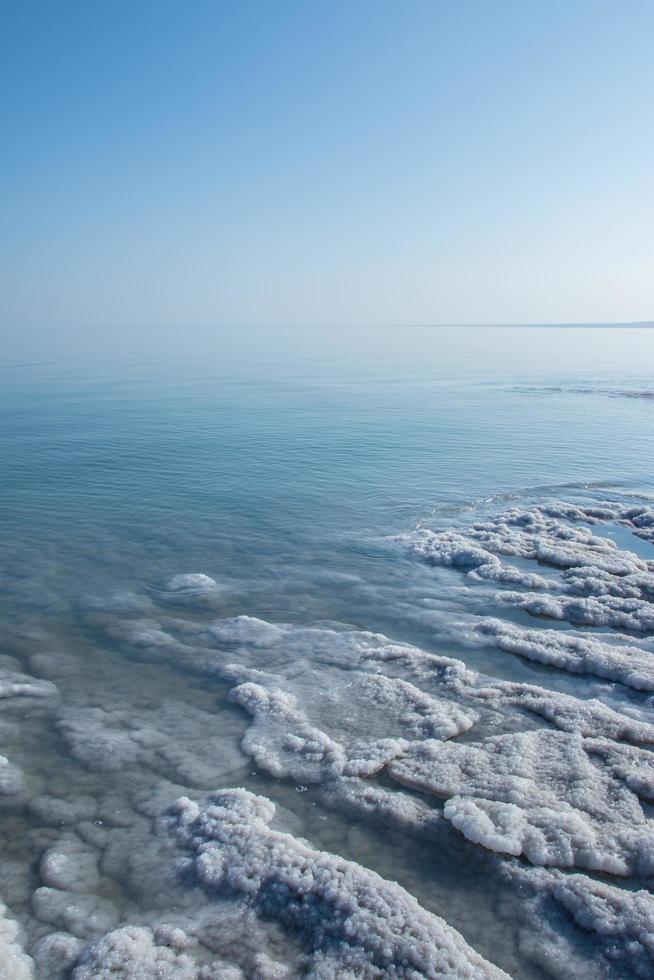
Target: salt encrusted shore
x=550 y=789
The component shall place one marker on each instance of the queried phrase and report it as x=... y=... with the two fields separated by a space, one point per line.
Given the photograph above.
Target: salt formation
x=136 y=953
x=11 y=778
x=14 y=684
x=80 y=913
x=446 y=763
x=350 y=920
x=640 y=520
x=456 y=693
x=603 y=610
x=453 y=550
x=179 y=744
x=525 y=534
x=578 y=653
x=223 y=940
x=591 y=581
x=193 y=582
x=605 y=829
x=70 y=865
x=537 y=794
x=284 y=742
x=574 y=925
x=18 y=692
x=190 y=589
x=14 y=964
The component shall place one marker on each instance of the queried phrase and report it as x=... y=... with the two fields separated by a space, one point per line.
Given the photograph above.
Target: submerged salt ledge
x=578 y=653
x=351 y=920
x=573 y=925
x=525 y=808
x=14 y=963
x=592 y=582
x=541 y=795
x=516 y=769
x=189 y=589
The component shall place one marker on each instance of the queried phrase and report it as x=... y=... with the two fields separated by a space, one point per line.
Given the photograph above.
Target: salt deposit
x=578 y=653
x=576 y=925
x=349 y=918
x=537 y=794
x=14 y=963
x=357 y=737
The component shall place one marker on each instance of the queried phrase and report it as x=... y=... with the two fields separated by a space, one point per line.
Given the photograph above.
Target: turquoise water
x=279 y=462
x=270 y=454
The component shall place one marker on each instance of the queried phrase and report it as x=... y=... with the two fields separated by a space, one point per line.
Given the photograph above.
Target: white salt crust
x=575 y=926
x=334 y=709
x=542 y=795
x=136 y=953
x=458 y=694
x=578 y=653
x=350 y=920
x=521 y=810
x=14 y=963
x=598 y=584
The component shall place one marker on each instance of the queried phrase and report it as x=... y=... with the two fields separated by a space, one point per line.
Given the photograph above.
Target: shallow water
x=282 y=463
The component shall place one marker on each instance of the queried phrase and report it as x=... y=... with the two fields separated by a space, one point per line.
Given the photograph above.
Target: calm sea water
x=277 y=461
x=261 y=455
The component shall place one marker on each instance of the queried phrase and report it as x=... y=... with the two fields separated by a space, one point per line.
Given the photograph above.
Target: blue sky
x=262 y=162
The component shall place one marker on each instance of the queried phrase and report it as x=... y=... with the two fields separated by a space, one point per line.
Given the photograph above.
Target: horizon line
x=221 y=325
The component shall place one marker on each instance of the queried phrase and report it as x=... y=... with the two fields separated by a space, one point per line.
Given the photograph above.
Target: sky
x=182 y=162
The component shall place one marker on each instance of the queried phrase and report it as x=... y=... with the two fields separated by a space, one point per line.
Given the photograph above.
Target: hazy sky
x=265 y=161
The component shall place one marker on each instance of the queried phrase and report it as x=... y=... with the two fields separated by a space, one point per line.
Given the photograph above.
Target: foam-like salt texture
x=590 y=565
x=575 y=926
x=136 y=953
x=444 y=679
x=578 y=653
x=98 y=885
x=351 y=921
x=14 y=963
x=540 y=794
x=603 y=610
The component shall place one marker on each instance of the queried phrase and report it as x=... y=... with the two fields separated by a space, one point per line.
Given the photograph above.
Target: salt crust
x=351 y=921
x=136 y=953
x=575 y=926
x=297 y=651
x=180 y=742
x=600 y=584
x=578 y=653
x=599 y=611
x=542 y=795
x=189 y=590
x=205 y=940
x=509 y=793
x=512 y=793
x=14 y=963
x=195 y=582
x=17 y=685
x=17 y=689
x=11 y=778
x=348 y=921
